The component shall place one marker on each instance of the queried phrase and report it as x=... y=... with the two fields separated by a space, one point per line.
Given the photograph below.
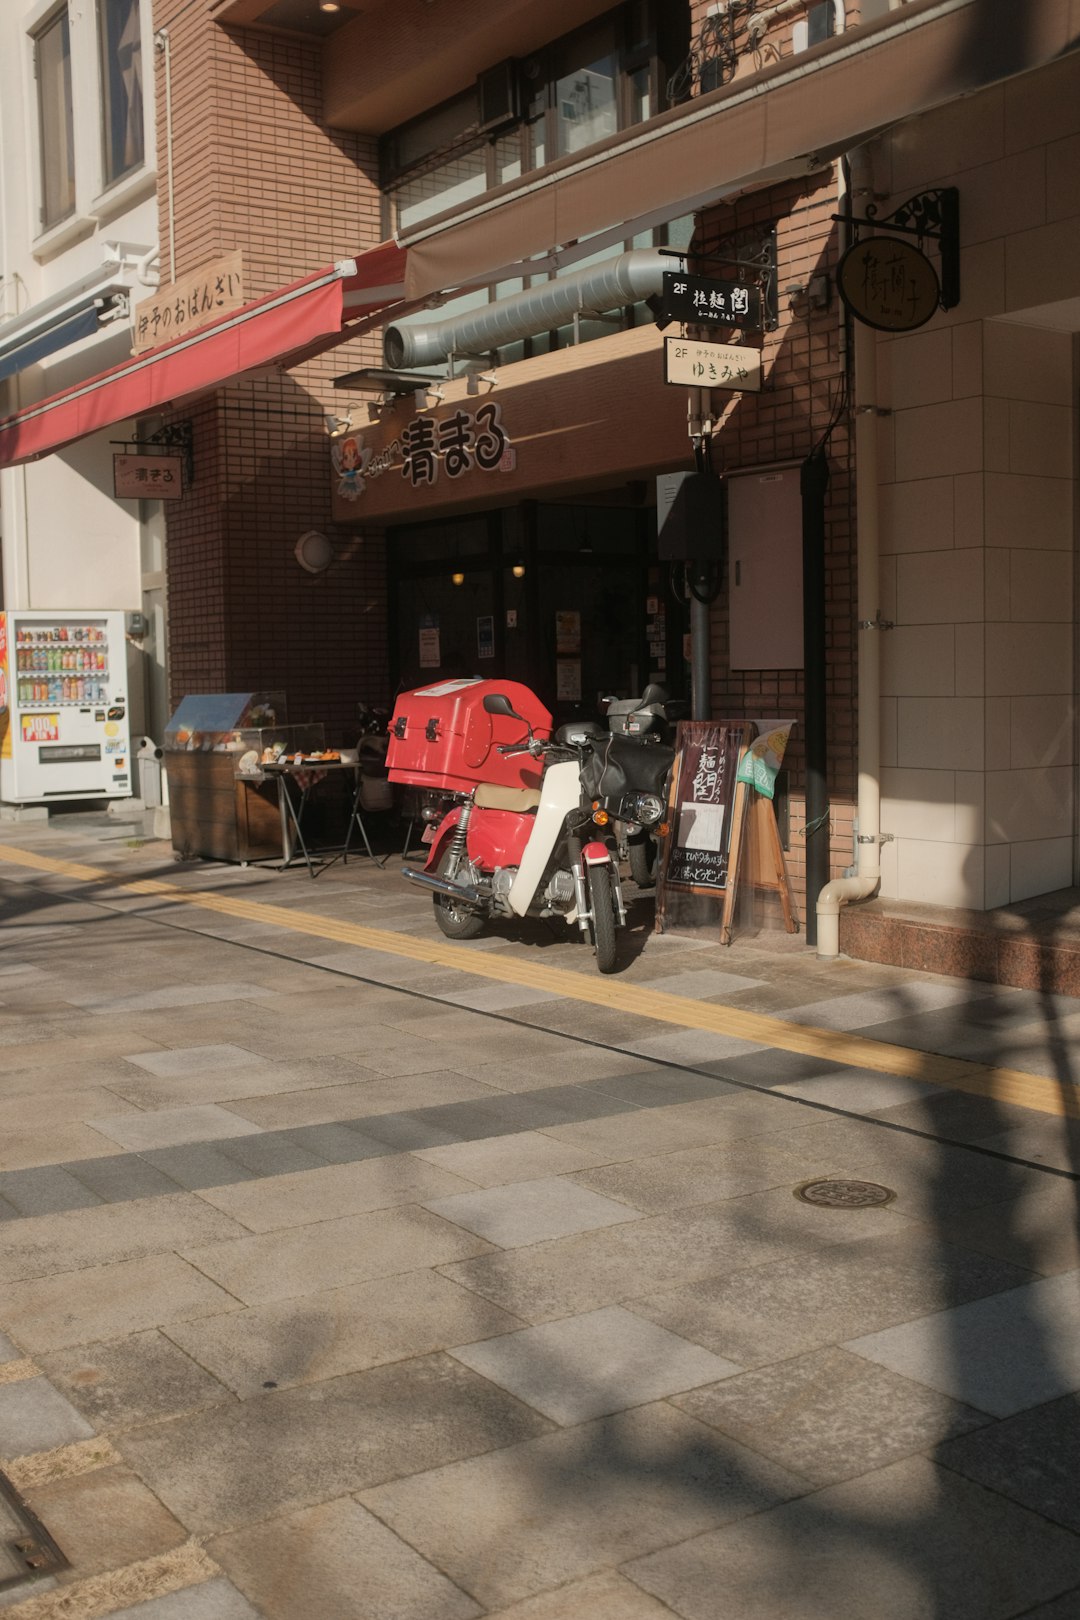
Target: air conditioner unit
x=497 y=95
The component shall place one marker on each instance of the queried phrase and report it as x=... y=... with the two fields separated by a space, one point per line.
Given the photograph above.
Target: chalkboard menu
x=703 y=804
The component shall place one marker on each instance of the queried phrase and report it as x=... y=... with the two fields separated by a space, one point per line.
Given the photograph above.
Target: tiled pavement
x=337 y=1285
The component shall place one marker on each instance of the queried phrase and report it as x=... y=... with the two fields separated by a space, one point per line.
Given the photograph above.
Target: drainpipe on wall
x=868 y=618
x=163 y=45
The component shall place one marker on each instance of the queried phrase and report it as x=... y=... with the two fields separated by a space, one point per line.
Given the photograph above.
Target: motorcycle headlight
x=645 y=808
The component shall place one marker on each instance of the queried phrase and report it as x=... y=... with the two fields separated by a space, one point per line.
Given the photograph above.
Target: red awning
x=281 y=329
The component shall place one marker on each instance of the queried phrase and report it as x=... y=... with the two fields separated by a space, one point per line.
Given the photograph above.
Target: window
x=586 y=91
x=576 y=91
x=580 y=89
x=52 y=68
x=121 y=88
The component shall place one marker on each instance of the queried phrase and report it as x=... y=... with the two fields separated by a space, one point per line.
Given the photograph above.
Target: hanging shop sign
x=712 y=365
x=188 y=303
x=888 y=283
x=428 y=449
x=886 y=280
x=707 y=301
x=148 y=478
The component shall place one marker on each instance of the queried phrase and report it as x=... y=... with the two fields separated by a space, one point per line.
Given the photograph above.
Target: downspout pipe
x=867 y=877
x=163 y=44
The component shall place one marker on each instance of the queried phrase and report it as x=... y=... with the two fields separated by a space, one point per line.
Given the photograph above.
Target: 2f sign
x=712 y=365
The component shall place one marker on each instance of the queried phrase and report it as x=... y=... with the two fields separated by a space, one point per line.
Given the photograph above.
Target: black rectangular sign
x=700 y=837
x=704 y=301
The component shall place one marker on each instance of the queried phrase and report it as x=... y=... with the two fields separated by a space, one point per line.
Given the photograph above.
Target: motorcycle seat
x=490 y=796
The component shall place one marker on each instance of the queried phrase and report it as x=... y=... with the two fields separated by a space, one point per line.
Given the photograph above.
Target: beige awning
x=789 y=119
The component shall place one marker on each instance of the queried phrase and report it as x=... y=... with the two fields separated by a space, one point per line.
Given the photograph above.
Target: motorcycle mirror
x=499 y=703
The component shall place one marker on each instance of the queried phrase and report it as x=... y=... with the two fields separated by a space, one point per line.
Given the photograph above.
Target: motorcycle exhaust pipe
x=454 y=891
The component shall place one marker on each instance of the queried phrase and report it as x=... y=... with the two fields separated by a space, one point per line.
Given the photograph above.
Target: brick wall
x=255 y=169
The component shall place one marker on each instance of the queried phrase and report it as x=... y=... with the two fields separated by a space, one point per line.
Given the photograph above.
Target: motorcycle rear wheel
x=602 y=901
x=456 y=921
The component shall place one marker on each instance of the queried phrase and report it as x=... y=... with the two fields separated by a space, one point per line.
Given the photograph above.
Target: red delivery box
x=442 y=737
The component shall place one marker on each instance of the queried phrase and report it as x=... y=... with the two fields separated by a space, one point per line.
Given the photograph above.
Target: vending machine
x=63 y=707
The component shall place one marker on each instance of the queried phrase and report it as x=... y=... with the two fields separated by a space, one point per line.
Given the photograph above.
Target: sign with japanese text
x=188 y=303
x=428 y=449
x=705 y=301
x=705 y=772
x=712 y=365
x=147 y=478
x=887 y=283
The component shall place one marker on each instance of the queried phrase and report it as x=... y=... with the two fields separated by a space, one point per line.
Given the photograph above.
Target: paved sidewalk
x=347 y=1274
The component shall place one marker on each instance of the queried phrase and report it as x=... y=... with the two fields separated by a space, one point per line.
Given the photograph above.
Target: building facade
x=485 y=471
x=78 y=253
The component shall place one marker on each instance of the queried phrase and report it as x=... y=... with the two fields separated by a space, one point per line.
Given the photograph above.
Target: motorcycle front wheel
x=456 y=921
x=642 y=853
x=602 y=902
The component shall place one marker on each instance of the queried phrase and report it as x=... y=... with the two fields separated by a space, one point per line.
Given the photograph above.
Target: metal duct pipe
x=627 y=279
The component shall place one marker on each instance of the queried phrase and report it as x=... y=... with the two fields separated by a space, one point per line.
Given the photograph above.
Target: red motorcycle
x=537 y=846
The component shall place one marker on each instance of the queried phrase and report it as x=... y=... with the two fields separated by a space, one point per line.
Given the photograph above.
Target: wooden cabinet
x=218 y=816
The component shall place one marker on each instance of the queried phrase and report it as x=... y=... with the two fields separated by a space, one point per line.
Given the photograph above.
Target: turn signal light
x=601 y=817
x=664 y=828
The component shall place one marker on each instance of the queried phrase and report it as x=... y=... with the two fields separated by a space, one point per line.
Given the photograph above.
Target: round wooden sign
x=888 y=283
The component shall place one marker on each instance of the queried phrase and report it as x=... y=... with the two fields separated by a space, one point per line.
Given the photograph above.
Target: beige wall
x=978 y=505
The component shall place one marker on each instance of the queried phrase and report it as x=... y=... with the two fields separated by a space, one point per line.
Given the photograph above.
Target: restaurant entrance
x=567 y=598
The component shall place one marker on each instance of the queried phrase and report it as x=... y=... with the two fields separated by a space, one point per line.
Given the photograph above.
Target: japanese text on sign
x=887 y=283
x=428 y=448
x=461 y=441
x=703 y=301
x=712 y=365
x=147 y=478
x=184 y=305
x=701 y=830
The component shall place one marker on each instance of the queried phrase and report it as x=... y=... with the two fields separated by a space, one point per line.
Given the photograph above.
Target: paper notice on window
x=568 y=680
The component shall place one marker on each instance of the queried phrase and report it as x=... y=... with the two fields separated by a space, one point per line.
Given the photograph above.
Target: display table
x=295 y=783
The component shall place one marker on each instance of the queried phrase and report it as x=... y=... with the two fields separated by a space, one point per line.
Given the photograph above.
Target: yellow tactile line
x=100 y=1595
x=1013 y=1086
x=62 y=1462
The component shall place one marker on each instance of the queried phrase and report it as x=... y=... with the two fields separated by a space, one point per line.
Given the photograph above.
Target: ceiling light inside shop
x=457 y=579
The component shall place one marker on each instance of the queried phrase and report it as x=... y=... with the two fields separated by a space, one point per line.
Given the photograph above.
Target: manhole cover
x=27 y=1551
x=844 y=1194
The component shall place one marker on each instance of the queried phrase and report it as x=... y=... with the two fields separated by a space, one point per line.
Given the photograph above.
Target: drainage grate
x=844 y=1194
x=27 y=1551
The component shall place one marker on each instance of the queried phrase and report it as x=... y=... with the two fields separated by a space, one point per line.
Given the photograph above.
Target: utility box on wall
x=765 y=595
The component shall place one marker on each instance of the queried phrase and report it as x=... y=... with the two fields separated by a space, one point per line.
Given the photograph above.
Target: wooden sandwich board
x=709 y=816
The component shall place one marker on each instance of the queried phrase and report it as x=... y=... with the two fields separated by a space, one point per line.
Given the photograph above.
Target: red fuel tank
x=441 y=736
